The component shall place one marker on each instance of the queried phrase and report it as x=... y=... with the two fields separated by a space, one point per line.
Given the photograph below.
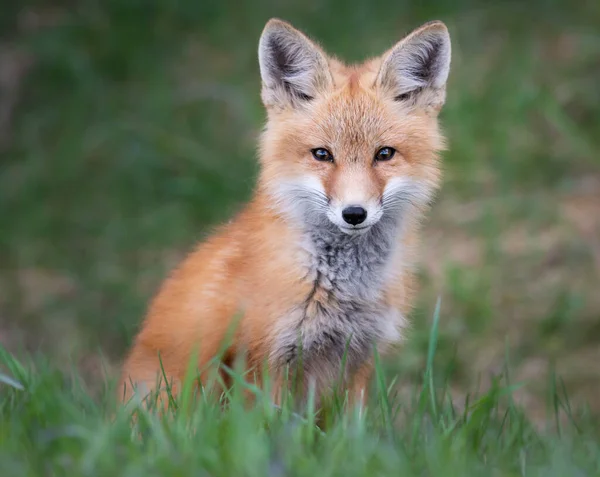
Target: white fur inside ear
x=421 y=60
x=292 y=67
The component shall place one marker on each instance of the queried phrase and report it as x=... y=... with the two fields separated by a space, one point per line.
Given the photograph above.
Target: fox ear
x=293 y=68
x=416 y=69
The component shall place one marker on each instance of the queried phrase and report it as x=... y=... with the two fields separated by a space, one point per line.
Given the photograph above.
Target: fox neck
x=345 y=267
x=351 y=267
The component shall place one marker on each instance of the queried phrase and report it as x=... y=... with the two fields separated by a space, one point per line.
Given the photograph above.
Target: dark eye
x=385 y=154
x=322 y=154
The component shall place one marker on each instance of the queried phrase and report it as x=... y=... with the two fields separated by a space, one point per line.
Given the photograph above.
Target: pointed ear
x=293 y=68
x=416 y=69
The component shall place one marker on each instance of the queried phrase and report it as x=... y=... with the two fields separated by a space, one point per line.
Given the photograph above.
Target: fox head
x=348 y=146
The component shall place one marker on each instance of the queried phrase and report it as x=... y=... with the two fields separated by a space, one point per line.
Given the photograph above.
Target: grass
x=51 y=426
x=128 y=129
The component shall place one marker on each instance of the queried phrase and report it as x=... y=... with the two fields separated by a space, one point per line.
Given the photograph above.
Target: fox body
x=318 y=266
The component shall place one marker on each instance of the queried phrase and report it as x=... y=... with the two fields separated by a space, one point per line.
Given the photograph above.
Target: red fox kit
x=318 y=266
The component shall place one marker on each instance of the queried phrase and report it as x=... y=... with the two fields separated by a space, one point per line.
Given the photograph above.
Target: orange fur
x=255 y=267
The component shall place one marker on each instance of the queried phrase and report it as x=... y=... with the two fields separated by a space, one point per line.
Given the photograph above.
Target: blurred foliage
x=134 y=130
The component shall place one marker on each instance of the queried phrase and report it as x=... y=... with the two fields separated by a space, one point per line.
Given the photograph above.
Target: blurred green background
x=128 y=129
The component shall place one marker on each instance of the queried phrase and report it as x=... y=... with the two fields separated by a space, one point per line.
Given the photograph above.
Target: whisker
x=398 y=200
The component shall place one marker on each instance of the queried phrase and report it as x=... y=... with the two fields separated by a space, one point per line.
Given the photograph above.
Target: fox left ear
x=293 y=68
x=416 y=69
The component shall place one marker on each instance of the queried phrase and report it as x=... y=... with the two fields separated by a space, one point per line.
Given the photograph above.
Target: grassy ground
x=128 y=128
x=51 y=426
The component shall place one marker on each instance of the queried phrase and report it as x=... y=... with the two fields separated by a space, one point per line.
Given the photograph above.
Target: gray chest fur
x=344 y=314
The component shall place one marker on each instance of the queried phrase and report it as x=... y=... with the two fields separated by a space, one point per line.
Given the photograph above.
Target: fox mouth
x=351 y=230
x=351 y=225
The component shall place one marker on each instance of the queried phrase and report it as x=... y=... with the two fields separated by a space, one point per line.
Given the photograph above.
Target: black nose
x=354 y=214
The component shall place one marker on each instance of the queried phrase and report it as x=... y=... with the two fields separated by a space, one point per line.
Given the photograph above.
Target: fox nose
x=354 y=215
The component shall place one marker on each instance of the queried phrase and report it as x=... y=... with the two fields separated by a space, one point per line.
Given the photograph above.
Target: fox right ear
x=416 y=69
x=292 y=67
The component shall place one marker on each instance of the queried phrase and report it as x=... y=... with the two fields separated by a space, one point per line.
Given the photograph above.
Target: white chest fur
x=345 y=314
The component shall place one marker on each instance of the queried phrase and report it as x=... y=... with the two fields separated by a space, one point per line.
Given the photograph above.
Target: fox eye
x=322 y=154
x=385 y=154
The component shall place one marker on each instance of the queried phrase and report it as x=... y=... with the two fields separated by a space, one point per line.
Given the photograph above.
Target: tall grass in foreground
x=50 y=425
